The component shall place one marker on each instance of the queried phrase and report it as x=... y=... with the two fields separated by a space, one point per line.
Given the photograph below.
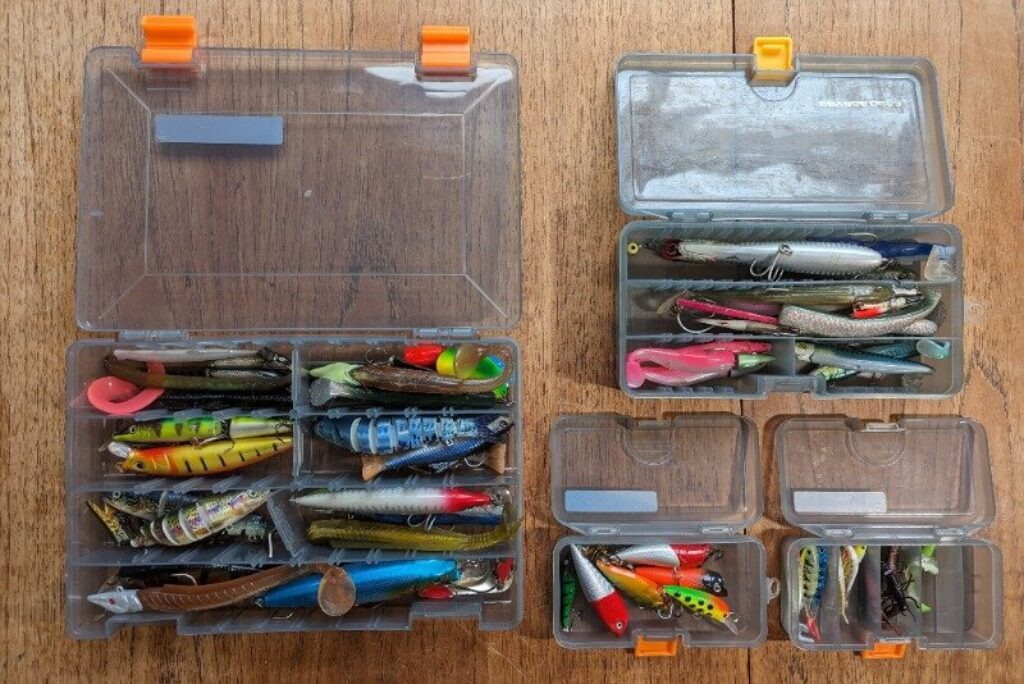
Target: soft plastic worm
x=142 y=378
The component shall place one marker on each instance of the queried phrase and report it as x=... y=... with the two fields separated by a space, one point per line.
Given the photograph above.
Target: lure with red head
x=668 y=555
x=605 y=599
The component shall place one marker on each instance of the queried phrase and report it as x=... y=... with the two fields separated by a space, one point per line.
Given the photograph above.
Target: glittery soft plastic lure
x=174 y=430
x=894 y=350
x=201 y=520
x=443 y=453
x=570 y=586
x=811 y=322
x=398 y=500
x=358 y=534
x=418 y=381
x=694 y=578
x=335 y=592
x=705 y=605
x=859 y=361
x=641 y=590
x=822 y=297
x=323 y=391
x=389 y=435
x=190 y=460
x=667 y=555
x=606 y=601
x=683 y=366
x=483 y=516
x=373 y=582
x=813 y=578
x=772 y=259
x=850 y=557
x=228 y=380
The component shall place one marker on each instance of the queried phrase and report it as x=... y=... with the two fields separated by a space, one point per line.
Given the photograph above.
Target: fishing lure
x=896 y=582
x=850 y=558
x=934 y=349
x=252 y=381
x=148 y=506
x=727 y=311
x=667 y=555
x=200 y=520
x=772 y=259
x=600 y=593
x=373 y=582
x=210 y=401
x=482 y=516
x=810 y=322
x=859 y=361
x=323 y=391
x=203 y=354
x=813 y=578
x=925 y=563
x=641 y=590
x=399 y=500
x=110 y=518
x=418 y=381
x=389 y=435
x=446 y=454
x=210 y=458
x=358 y=534
x=175 y=430
x=694 y=363
x=822 y=297
x=465 y=362
x=895 y=350
x=694 y=578
x=705 y=605
x=570 y=585
x=738 y=326
x=335 y=594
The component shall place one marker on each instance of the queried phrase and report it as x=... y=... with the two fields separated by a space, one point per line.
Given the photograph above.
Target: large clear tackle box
x=908 y=498
x=738 y=148
x=291 y=199
x=617 y=481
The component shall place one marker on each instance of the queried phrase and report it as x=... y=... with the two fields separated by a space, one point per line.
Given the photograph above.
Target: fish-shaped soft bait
x=391 y=435
x=201 y=520
x=601 y=594
x=667 y=555
x=358 y=534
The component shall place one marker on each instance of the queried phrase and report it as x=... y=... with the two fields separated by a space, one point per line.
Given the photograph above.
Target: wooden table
x=571 y=222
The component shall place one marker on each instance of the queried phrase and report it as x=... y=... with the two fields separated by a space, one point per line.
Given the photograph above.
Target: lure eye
x=133 y=429
x=140 y=465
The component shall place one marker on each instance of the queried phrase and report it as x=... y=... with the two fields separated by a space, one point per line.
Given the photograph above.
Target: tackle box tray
x=313 y=201
x=691 y=478
x=922 y=485
x=727 y=147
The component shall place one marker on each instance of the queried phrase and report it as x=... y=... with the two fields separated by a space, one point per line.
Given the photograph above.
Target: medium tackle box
x=693 y=478
x=921 y=486
x=323 y=203
x=762 y=147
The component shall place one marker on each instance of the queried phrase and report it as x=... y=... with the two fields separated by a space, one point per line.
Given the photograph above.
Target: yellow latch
x=655 y=648
x=885 y=651
x=773 y=60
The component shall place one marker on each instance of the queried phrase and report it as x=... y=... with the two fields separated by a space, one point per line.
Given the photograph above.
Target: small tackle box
x=765 y=147
x=907 y=497
x=288 y=198
x=689 y=479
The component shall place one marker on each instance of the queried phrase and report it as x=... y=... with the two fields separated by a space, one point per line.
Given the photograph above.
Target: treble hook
x=679 y=320
x=772 y=272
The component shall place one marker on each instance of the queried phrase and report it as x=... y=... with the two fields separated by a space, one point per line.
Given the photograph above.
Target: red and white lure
x=399 y=500
x=602 y=595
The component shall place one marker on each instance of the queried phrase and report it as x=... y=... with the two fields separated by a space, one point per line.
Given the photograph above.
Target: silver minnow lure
x=810 y=322
x=397 y=500
x=859 y=361
x=772 y=259
x=595 y=586
x=661 y=555
x=200 y=520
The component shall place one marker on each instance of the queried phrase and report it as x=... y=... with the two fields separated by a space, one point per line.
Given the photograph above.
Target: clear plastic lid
x=297 y=190
x=697 y=473
x=916 y=477
x=848 y=137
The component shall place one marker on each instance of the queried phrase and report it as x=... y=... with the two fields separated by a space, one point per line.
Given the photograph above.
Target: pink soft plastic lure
x=692 y=364
x=726 y=311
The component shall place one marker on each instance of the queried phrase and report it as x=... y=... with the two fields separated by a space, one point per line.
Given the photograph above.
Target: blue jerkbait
x=390 y=435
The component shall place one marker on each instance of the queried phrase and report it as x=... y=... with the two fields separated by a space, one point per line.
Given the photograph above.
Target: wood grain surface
x=571 y=221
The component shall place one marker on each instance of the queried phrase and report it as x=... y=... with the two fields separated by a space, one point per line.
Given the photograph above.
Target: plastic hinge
x=444 y=333
x=152 y=335
x=598 y=531
x=878 y=217
x=655 y=648
x=950 y=532
x=840 y=532
x=716 y=529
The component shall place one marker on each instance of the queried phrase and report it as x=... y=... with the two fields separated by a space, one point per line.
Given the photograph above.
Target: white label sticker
x=611 y=501
x=819 y=501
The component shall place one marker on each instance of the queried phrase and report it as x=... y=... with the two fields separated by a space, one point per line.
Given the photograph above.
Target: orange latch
x=655 y=648
x=170 y=39
x=773 y=60
x=445 y=52
x=885 y=651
